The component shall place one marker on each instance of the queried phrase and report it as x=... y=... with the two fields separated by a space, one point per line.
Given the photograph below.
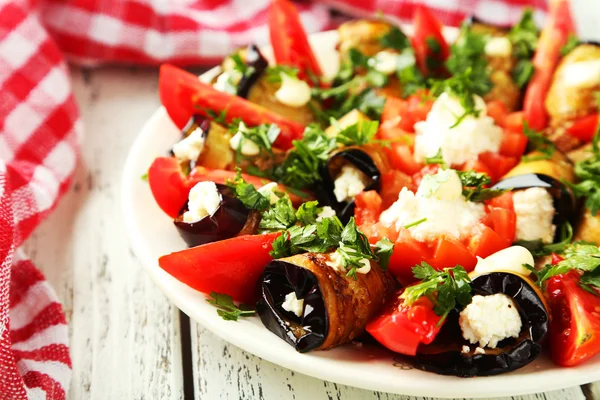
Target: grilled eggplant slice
x=445 y=355
x=230 y=219
x=335 y=308
x=559 y=167
x=369 y=159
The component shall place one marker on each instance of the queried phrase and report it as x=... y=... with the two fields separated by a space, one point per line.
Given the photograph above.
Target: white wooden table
x=125 y=335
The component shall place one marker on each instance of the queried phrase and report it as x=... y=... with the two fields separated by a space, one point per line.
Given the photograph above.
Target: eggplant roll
x=347 y=171
x=451 y=354
x=230 y=219
x=363 y=35
x=559 y=167
x=313 y=306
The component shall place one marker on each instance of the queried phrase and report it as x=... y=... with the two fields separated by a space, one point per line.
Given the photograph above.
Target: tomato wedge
x=289 y=40
x=182 y=94
x=230 y=266
x=584 y=128
x=553 y=37
x=575 y=326
x=498 y=111
x=431 y=49
x=169 y=185
x=402 y=328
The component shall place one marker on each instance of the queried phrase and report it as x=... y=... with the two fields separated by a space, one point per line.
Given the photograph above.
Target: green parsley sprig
x=524 y=37
x=474 y=186
x=544 y=146
x=394 y=39
x=263 y=135
x=273 y=73
x=247 y=193
x=445 y=289
x=227 y=308
x=356 y=134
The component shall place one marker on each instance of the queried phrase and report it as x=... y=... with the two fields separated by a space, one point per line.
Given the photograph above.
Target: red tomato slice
x=513 y=144
x=487 y=242
x=450 y=252
x=230 y=266
x=554 y=36
x=168 y=184
x=289 y=40
x=392 y=183
x=401 y=328
x=498 y=164
x=183 y=94
x=408 y=252
x=513 y=122
x=367 y=208
x=584 y=128
x=504 y=201
x=430 y=57
x=575 y=326
x=401 y=157
x=498 y=111
x=504 y=223
x=476 y=165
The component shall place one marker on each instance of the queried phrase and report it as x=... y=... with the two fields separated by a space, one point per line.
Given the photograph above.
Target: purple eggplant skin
x=196 y=121
x=565 y=204
x=363 y=162
x=228 y=221
x=280 y=278
x=254 y=59
x=444 y=356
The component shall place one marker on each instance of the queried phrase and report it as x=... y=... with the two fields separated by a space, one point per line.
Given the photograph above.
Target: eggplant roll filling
x=313 y=306
x=450 y=354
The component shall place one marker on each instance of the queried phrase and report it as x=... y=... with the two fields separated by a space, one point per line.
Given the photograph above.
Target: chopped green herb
x=415 y=223
x=357 y=134
x=572 y=42
x=273 y=73
x=220 y=118
x=542 y=144
x=227 y=308
x=474 y=186
x=247 y=193
x=144 y=177
x=522 y=72
x=445 y=289
x=262 y=135
x=394 y=39
x=436 y=159
x=524 y=36
x=383 y=250
x=241 y=66
x=308 y=212
x=279 y=216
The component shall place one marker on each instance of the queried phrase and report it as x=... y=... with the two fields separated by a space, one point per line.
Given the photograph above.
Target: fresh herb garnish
x=540 y=249
x=474 y=186
x=273 y=73
x=432 y=61
x=572 y=42
x=247 y=193
x=523 y=37
x=262 y=135
x=436 y=159
x=227 y=308
x=415 y=223
x=278 y=216
x=383 y=250
x=544 y=146
x=522 y=72
x=308 y=212
x=445 y=289
x=410 y=77
x=356 y=134
x=220 y=118
x=241 y=66
x=394 y=39
x=144 y=177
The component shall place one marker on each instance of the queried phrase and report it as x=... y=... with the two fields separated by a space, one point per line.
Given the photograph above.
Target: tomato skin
x=427 y=26
x=392 y=182
x=513 y=144
x=232 y=266
x=401 y=328
x=498 y=164
x=498 y=111
x=401 y=157
x=584 y=128
x=487 y=242
x=182 y=94
x=504 y=223
x=289 y=40
x=514 y=122
x=168 y=184
x=553 y=37
x=450 y=252
x=367 y=208
x=575 y=325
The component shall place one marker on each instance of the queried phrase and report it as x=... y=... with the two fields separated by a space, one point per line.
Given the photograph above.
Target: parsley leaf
x=308 y=212
x=436 y=159
x=262 y=135
x=522 y=72
x=415 y=223
x=273 y=73
x=357 y=134
x=572 y=42
x=544 y=146
x=227 y=308
x=247 y=193
x=278 y=216
x=383 y=250
x=394 y=39
x=524 y=36
x=445 y=288
x=144 y=177
x=241 y=66
x=474 y=186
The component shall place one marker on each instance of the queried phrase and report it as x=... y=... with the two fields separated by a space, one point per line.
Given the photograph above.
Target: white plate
x=370 y=367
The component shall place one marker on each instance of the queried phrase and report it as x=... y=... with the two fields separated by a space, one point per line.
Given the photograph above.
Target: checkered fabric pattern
x=40 y=126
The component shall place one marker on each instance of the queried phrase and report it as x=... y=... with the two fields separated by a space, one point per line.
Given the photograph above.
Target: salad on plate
x=439 y=198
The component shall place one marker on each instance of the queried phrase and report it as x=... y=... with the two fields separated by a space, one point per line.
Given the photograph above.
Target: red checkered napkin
x=40 y=127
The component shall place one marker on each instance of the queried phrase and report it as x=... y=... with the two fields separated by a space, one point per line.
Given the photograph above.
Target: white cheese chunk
x=190 y=148
x=488 y=320
x=349 y=182
x=293 y=92
x=248 y=147
x=535 y=210
x=336 y=262
x=509 y=259
x=293 y=304
x=326 y=212
x=204 y=200
x=439 y=205
x=465 y=349
x=582 y=74
x=385 y=62
x=268 y=190
x=461 y=143
x=479 y=350
x=227 y=82
x=498 y=46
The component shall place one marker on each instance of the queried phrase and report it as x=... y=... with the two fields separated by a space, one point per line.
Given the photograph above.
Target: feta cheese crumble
x=190 y=147
x=461 y=143
x=204 y=199
x=510 y=259
x=293 y=304
x=268 y=191
x=582 y=74
x=440 y=204
x=489 y=320
x=498 y=46
x=385 y=62
x=227 y=82
x=336 y=261
x=326 y=212
x=535 y=210
x=248 y=147
x=349 y=182
x=293 y=92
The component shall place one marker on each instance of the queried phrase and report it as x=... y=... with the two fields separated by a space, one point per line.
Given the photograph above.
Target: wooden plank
x=125 y=340
x=224 y=371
